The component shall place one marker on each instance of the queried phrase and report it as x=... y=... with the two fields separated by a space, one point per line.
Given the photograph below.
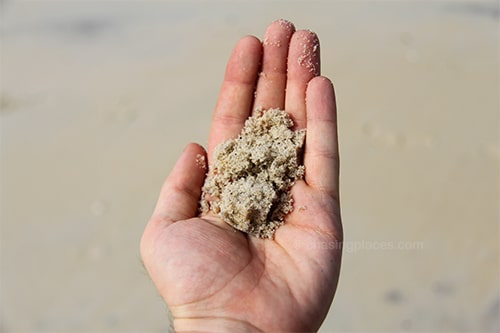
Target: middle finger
x=270 y=91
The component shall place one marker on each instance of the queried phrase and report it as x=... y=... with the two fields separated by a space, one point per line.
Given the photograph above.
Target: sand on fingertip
x=201 y=161
x=284 y=24
x=310 y=49
x=248 y=183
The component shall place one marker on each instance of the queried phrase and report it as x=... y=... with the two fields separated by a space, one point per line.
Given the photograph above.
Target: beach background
x=98 y=98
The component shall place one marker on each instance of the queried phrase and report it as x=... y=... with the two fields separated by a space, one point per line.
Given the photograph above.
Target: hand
x=216 y=279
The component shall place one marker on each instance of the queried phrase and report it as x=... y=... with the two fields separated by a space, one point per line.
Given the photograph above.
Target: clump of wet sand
x=249 y=180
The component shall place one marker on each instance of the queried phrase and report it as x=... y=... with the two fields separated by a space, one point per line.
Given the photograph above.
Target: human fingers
x=181 y=191
x=321 y=154
x=270 y=91
x=303 y=65
x=237 y=92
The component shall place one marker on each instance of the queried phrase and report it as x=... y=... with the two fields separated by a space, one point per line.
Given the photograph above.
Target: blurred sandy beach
x=98 y=98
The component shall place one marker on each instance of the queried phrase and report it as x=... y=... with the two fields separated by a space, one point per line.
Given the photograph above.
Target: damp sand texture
x=249 y=180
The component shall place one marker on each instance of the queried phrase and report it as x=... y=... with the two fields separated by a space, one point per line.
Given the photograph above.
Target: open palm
x=215 y=279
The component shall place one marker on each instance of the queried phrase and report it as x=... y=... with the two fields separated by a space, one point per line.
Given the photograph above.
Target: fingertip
x=320 y=81
x=194 y=147
x=249 y=40
x=307 y=50
x=276 y=30
x=249 y=44
x=244 y=61
x=285 y=24
x=197 y=152
x=320 y=97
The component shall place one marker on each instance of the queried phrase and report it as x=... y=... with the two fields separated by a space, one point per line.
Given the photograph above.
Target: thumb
x=181 y=191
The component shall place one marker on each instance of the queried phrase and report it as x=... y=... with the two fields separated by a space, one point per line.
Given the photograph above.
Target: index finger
x=237 y=92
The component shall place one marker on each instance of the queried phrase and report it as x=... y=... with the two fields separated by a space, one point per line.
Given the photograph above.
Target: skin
x=216 y=279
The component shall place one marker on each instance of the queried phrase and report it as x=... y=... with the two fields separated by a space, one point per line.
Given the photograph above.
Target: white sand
x=249 y=181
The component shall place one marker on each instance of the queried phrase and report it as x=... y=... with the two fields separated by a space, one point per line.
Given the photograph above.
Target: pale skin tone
x=216 y=279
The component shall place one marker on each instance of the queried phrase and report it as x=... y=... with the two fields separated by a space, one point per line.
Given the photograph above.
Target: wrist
x=216 y=325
